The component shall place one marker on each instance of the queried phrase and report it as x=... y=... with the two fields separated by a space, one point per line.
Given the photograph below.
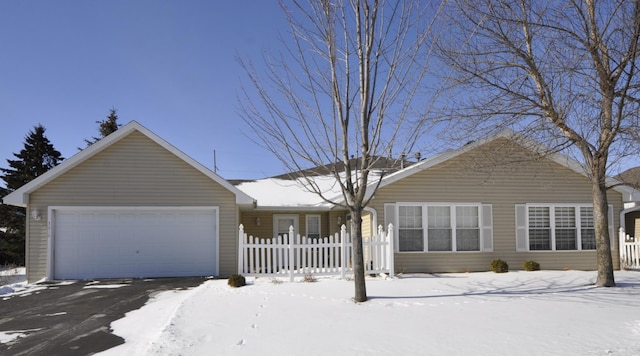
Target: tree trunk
x=603 y=245
x=358 y=255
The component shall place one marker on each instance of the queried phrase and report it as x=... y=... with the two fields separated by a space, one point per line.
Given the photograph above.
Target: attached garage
x=133 y=242
x=130 y=206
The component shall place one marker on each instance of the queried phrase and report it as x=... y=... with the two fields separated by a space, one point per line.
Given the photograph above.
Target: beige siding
x=249 y=219
x=334 y=217
x=502 y=175
x=367 y=228
x=134 y=171
x=632 y=223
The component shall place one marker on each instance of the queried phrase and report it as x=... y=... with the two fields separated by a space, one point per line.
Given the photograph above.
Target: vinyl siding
x=328 y=222
x=632 y=224
x=367 y=228
x=334 y=226
x=135 y=171
x=501 y=174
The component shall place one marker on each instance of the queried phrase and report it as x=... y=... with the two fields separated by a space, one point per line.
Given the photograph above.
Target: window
x=439 y=232
x=313 y=226
x=467 y=228
x=281 y=224
x=555 y=227
x=539 y=228
x=410 y=228
x=441 y=227
x=566 y=234
x=587 y=228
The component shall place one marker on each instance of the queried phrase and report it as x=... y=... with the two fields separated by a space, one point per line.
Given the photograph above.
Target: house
x=459 y=210
x=495 y=198
x=132 y=205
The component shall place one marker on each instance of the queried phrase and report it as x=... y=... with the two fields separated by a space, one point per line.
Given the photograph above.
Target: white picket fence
x=629 y=251
x=283 y=256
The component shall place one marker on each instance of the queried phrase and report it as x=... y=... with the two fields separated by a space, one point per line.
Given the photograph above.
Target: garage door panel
x=134 y=243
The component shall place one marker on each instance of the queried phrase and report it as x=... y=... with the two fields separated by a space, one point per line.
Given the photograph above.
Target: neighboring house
x=132 y=205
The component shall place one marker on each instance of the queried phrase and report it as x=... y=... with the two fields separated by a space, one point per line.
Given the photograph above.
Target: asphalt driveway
x=74 y=319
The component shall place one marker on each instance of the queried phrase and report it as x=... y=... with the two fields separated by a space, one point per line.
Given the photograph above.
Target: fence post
x=240 y=249
x=343 y=250
x=291 y=253
x=622 y=247
x=392 y=250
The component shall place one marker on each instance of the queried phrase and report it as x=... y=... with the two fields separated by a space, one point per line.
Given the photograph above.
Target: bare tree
x=344 y=87
x=563 y=71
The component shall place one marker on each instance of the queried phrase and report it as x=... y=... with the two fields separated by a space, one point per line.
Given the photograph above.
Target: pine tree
x=105 y=127
x=36 y=158
x=12 y=222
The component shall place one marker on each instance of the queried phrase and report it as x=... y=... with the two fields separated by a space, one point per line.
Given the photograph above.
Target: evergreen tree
x=37 y=157
x=12 y=233
x=105 y=127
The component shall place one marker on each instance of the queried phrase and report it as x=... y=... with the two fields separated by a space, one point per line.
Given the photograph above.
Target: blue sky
x=169 y=65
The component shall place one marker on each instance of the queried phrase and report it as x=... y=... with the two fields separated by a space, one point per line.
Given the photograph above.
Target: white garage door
x=134 y=242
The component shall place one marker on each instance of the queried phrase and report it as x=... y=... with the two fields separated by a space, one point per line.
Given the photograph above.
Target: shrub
x=237 y=280
x=531 y=266
x=499 y=266
x=309 y=278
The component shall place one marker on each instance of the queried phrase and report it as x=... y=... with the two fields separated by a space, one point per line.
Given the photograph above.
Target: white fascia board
x=629 y=194
x=16 y=199
x=290 y=208
x=241 y=197
x=422 y=165
x=20 y=197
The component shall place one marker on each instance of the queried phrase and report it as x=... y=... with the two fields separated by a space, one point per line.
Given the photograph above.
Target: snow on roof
x=275 y=192
x=278 y=192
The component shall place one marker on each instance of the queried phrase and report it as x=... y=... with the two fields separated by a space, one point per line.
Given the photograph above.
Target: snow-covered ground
x=516 y=313
x=12 y=280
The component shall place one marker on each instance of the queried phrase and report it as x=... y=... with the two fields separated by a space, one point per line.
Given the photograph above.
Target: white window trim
x=552 y=224
x=295 y=218
x=425 y=222
x=319 y=217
